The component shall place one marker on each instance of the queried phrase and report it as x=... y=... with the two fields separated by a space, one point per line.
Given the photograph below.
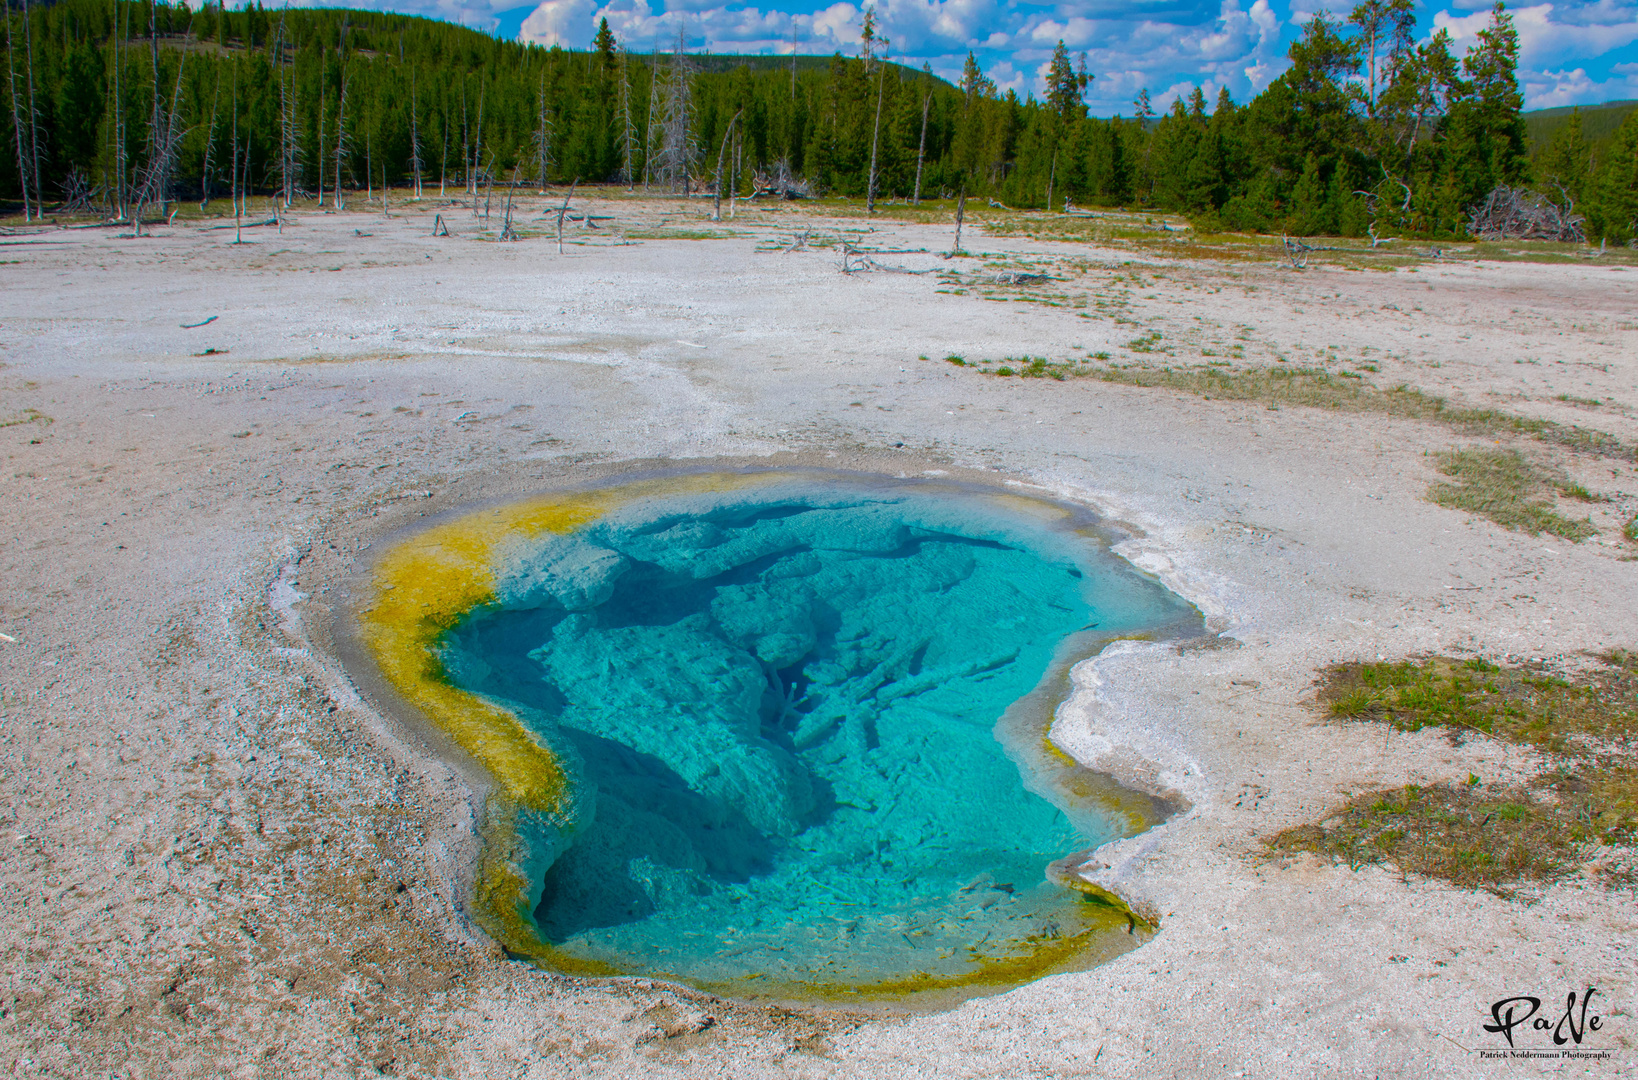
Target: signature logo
x=1513 y=1013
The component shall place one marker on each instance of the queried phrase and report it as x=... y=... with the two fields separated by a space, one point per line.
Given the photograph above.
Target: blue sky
x=1574 y=52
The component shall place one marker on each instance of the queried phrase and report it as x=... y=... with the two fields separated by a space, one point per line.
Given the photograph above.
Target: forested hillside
x=126 y=107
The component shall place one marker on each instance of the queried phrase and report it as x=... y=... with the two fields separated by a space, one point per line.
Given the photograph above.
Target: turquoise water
x=780 y=709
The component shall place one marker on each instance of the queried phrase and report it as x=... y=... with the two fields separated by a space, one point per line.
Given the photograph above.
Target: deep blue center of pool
x=779 y=709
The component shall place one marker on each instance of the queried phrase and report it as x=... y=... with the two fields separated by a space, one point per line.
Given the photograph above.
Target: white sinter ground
x=219 y=860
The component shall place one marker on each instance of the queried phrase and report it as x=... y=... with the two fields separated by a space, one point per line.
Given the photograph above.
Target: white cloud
x=1543 y=40
x=1567 y=45
x=1007 y=78
x=1553 y=89
x=1260 y=75
x=1266 y=20
x=1163 y=100
x=567 y=23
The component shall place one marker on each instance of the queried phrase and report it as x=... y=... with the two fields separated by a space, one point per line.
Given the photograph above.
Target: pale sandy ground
x=219 y=861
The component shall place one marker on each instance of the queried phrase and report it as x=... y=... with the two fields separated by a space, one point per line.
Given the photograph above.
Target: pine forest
x=130 y=109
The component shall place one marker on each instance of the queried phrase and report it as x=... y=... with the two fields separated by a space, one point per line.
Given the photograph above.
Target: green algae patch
x=423 y=587
x=1035 y=958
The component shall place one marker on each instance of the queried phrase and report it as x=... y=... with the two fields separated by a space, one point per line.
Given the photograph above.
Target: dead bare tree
x=543 y=137
x=474 y=174
x=164 y=139
x=238 y=209
x=652 y=130
x=739 y=165
x=961 y=212
x=562 y=211
x=324 y=86
x=628 y=126
x=34 y=113
x=289 y=133
x=1052 y=176
x=210 y=144
x=341 y=114
x=415 y=132
x=1509 y=213
x=507 y=231
x=678 y=157
x=153 y=118
x=489 y=181
x=921 y=149
x=465 y=131
x=17 y=121
x=876 y=131
x=116 y=129
x=716 y=204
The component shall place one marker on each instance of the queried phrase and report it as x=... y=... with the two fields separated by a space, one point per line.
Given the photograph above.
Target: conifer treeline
x=1367 y=129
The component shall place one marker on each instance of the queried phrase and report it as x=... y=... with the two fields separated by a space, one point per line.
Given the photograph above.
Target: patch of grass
x=1578 y=492
x=1506 y=487
x=27 y=416
x=1583 y=809
x=1033 y=367
x=1473 y=837
x=1146 y=343
x=1526 y=704
x=1320 y=389
x=664 y=233
x=1630 y=530
x=956 y=360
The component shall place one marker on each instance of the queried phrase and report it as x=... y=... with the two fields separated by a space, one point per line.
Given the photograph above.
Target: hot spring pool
x=773 y=731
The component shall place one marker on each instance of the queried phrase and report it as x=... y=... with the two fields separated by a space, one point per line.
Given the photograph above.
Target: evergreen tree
x=1612 y=212
x=1566 y=163
x=604 y=44
x=1066 y=87
x=1428 y=132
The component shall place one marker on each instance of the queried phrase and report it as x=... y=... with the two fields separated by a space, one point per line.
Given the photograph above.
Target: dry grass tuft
x=1527 y=704
x=1583 y=811
x=1468 y=835
x=1509 y=489
x=1318 y=389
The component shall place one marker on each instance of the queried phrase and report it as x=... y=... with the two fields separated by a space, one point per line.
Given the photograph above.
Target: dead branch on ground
x=1509 y=213
x=507 y=232
x=562 y=210
x=858 y=261
x=780 y=183
x=1296 y=251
